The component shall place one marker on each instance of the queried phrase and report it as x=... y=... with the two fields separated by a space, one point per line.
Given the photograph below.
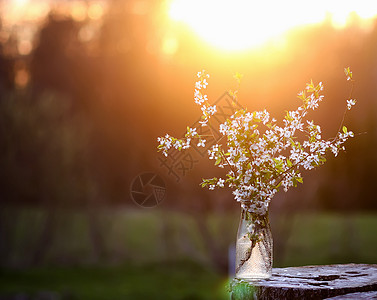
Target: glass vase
x=253 y=247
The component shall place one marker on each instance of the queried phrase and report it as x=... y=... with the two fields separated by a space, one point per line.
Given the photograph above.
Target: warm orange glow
x=95 y=11
x=243 y=24
x=79 y=12
x=25 y=47
x=16 y=11
x=21 y=78
x=169 y=45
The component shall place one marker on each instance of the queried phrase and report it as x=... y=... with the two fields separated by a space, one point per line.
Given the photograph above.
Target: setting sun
x=244 y=24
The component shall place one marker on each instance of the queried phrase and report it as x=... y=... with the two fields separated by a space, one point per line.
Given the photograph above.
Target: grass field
x=162 y=255
x=332 y=238
x=155 y=281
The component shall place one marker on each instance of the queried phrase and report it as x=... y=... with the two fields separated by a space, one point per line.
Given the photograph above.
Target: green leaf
x=204 y=183
x=348 y=73
x=344 y=129
x=289 y=163
x=302 y=95
x=238 y=77
x=288 y=117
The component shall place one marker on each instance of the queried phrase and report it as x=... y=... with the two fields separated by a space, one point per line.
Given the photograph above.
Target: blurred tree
x=47 y=133
x=55 y=61
x=6 y=73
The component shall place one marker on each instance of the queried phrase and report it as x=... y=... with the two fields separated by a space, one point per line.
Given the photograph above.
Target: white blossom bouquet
x=260 y=155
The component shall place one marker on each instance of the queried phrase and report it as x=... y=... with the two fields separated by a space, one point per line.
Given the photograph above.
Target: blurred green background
x=86 y=87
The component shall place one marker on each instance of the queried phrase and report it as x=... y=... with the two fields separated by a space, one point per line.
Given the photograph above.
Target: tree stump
x=348 y=281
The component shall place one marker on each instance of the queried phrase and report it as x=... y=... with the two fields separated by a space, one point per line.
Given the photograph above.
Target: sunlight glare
x=20 y=3
x=169 y=45
x=244 y=24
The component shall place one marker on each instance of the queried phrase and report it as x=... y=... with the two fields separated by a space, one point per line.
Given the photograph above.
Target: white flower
x=202 y=74
x=198 y=85
x=203 y=123
x=211 y=110
x=201 y=143
x=313 y=102
x=191 y=132
x=250 y=227
x=204 y=83
x=350 y=103
x=320 y=86
x=223 y=129
x=220 y=182
x=187 y=144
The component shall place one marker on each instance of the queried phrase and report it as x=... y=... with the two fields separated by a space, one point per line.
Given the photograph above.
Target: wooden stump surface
x=348 y=281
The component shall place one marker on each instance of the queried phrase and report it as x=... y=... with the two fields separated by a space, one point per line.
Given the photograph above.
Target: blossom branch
x=258 y=161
